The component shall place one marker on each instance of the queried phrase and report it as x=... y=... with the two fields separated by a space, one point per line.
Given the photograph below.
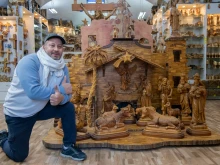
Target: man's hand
x=67 y=86
x=56 y=98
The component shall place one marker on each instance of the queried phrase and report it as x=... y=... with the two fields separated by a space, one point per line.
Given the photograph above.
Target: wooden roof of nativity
x=134 y=54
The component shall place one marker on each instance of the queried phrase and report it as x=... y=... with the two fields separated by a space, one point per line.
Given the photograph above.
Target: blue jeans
x=16 y=146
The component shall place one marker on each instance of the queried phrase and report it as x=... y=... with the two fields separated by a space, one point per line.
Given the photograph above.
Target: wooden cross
x=15 y=62
x=14 y=40
x=97 y=6
x=2 y=53
x=2 y=40
x=15 y=25
x=1 y=25
x=8 y=54
x=5 y=62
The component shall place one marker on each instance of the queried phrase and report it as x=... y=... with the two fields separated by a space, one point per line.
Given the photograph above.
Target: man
x=39 y=90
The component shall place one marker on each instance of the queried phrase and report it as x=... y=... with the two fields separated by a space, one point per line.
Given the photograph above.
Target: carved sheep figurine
x=172 y=112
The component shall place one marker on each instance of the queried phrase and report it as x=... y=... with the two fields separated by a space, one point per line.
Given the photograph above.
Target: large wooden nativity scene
x=129 y=95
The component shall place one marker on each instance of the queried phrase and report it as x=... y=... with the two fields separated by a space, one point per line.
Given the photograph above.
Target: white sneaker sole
x=67 y=156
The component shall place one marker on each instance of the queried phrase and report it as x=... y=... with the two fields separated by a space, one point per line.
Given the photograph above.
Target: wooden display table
x=135 y=141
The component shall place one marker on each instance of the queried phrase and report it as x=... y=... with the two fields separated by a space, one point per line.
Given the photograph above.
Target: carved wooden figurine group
x=170 y=121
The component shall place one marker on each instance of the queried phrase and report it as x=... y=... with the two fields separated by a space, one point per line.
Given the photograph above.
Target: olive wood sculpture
x=1 y=26
x=173 y=111
x=5 y=33
x=142 y=112
x=8 y=25
x=198 y=95
x=131 y=119
x=5 y=68
x=98 y=14
x=110 y=126
x=107 y=102
x=183 y=89
x=125 y=72
x=14 y=40
x=115 y=32
x=2 y=40
x=174 y=19
x=166 y=92
x=162 y=126
x=8 y=54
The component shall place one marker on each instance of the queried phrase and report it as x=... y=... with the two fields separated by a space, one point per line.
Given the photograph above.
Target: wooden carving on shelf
x=6 y=69
x=162 y=126
x=198 y=97
x=166 y=92
x=4 y=78
x=14 y=40
x=111 y=126
x=174 y=19
x=2 y=40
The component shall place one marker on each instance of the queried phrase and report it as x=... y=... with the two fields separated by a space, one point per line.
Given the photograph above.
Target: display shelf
x=213 y=51
x=192 y=28
x=213 y=87
x=40 y=30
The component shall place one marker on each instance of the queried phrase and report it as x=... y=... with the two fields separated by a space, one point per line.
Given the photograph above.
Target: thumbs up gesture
x=56 y=98
x=67 y=86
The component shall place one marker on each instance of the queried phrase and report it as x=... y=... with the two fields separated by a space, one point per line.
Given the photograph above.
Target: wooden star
x=127 y=58
x=85 y=22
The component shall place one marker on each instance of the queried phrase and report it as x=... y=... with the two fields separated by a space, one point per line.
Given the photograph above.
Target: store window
x=176 y=54
x=94 y=1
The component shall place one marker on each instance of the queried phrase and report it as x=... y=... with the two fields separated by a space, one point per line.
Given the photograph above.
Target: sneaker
x=3 y=136
x=73 y=152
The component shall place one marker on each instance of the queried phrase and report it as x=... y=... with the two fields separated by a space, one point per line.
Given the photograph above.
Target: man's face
x=54 y=48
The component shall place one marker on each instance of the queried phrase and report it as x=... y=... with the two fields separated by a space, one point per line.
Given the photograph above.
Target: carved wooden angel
x=125 y=72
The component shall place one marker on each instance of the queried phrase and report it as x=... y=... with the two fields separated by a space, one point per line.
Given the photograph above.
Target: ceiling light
x=141 y=15
x=53 y=11
x=183 y=6
x=194 y=6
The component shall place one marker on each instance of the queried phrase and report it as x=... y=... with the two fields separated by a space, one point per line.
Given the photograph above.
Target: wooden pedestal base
x=109 y=135
x=198 y=130
x=143 y=122
x=163 y=132
x=135 y=141
x=186 y=120
x=131 y=120
x=80 y=135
